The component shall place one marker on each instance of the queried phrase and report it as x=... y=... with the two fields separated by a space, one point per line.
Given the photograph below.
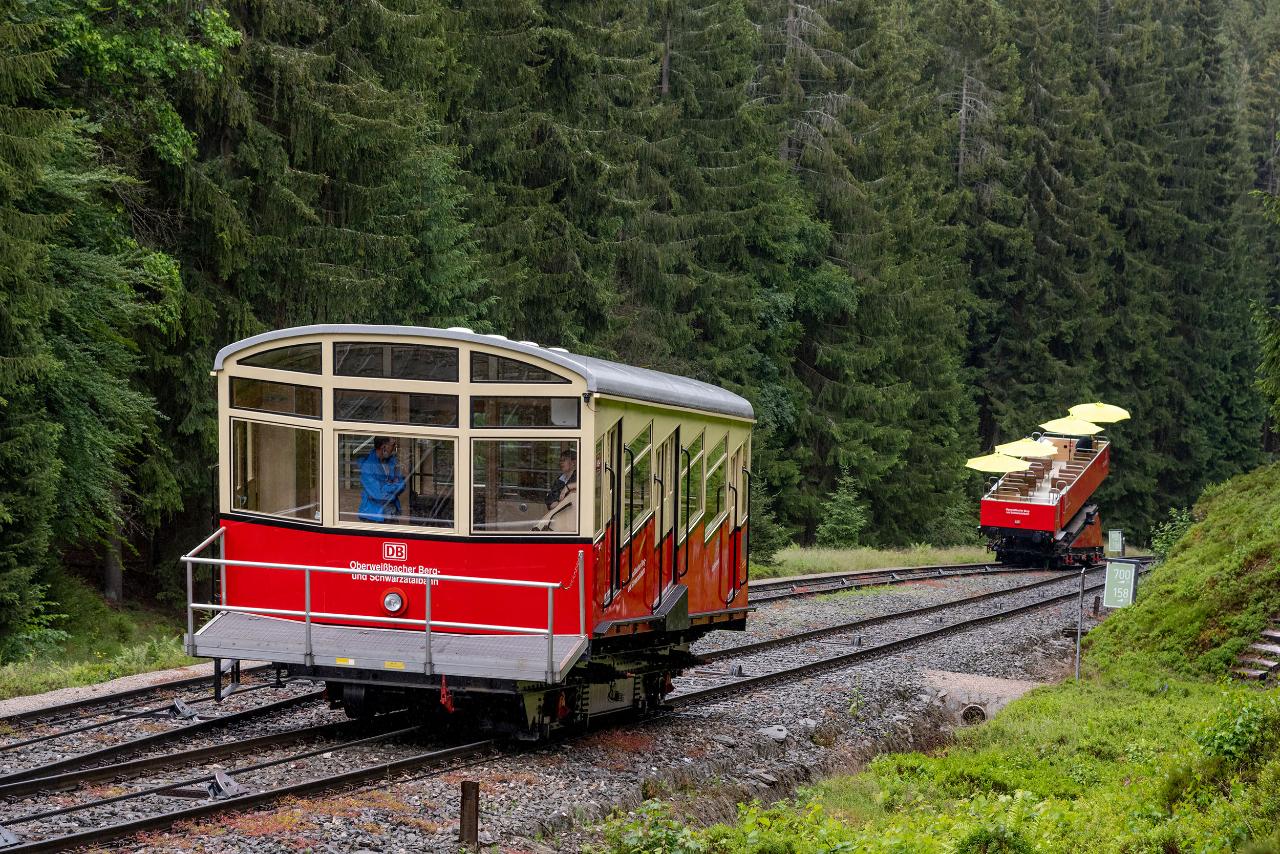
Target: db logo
x=395 y=551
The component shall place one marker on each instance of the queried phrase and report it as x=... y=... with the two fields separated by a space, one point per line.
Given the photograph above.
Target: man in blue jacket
x=380 y=476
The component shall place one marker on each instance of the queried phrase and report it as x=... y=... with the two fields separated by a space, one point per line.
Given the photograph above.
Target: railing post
x=222 y=568
x=191 y=614
x=308 y=656
x=582 y=596
x=427 y=616
x=551 y=634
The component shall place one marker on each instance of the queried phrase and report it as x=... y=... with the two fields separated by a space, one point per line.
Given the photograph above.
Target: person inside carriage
x=563 y=493
x=381 y=481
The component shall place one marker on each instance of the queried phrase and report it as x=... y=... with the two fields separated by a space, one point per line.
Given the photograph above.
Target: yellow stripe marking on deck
x=393 y=665
x=346 y=661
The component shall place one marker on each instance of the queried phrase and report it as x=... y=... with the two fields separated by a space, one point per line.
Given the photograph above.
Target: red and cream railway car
x=450 y=520
x=1045 y=516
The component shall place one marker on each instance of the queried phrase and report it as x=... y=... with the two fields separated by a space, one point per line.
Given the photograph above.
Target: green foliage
x=1241 y=730
x=650 y=829
x=1216 y=589
x=844 y=516
x=1115 y=766
x=89 y=642
x=1166 y=535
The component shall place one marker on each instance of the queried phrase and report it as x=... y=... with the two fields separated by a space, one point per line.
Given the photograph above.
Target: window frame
x=328 y=383
x=335 y=419
x=700 y=509
x=361 y=427
x=559 y=379
x=636 y=523
x=242 y=361
x=471 y=425
x=320 y=469
x=722 y=460
x=231 y=397
x=578 y=442
x=334 y=374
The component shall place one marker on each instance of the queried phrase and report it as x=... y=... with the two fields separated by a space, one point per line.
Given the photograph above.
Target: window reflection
x=396 y=361
x=488 y=368
x=715 y=490
x=393 y=407
x=275 y=470
x=304 y=358
x=525 y=486
x=284 y=398
x=637 y=476
x=395 y=480
x=524 y=412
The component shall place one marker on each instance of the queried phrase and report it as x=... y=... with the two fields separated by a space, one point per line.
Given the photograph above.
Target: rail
x=192 y=559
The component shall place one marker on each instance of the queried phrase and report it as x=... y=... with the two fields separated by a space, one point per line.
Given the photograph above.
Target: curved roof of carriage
x=602 y=376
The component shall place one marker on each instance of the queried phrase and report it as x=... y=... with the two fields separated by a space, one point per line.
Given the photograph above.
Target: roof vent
x=530 y=343
x=461 y=329
x=496 y=337
x=557 y=350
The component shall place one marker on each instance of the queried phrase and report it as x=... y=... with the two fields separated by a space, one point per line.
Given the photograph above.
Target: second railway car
x=1045 y=516
x=463 y=523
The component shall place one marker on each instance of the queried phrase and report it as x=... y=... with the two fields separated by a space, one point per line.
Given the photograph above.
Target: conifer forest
x=904 y=229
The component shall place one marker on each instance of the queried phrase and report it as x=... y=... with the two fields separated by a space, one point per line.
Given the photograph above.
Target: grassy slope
x=102 y=643
x=1216 y=590
x=1147 y=755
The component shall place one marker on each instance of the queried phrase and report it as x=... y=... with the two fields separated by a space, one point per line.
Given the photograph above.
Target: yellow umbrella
x=1027 y=448
x=1071 y=426
x=1099 y=413
x=998 y=464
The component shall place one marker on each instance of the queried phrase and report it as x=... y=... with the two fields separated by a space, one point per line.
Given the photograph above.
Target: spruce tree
x=29 y=465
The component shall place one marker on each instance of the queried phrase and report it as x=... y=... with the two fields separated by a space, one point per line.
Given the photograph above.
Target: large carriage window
x=525 y=486
x=691 y=468
x=395 y=480
x=283 y=398
x=487 y=368
x=303 y=358
x=524 y=412
x=637 y=470
x=396 y=361
x=275 y=470
x=715 y=490
x=394 y=407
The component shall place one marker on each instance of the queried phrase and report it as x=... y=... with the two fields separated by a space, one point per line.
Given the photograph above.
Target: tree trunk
x=113 y=571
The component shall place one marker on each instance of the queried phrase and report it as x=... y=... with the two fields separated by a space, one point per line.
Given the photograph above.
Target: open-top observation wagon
x=1045 y=514
x=456 y=521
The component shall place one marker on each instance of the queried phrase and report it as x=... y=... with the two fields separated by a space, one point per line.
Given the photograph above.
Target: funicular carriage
x=451 y=520
x=1044 y=514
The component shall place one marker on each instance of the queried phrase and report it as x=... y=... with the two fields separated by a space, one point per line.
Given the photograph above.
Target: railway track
x=117 y=701
x=771 y=589
x=72 y=757
x=48 y=828
x=734 y=680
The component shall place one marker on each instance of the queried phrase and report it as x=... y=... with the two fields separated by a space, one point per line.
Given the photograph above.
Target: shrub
x=1241 y=731
x=994 y=839
x=651 y=829
x=1166 y=534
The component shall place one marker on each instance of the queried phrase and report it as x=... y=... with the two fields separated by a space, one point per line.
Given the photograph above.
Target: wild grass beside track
x=796 y=560
x=98 y=643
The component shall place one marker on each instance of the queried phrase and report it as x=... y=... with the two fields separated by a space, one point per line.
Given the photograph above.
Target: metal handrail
x=192 y=558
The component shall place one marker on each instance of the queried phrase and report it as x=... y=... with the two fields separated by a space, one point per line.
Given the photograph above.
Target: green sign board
x=1122 y=583
x=1115 y=542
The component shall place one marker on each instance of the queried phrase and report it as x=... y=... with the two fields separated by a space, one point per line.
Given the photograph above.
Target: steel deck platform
x=516 y=657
